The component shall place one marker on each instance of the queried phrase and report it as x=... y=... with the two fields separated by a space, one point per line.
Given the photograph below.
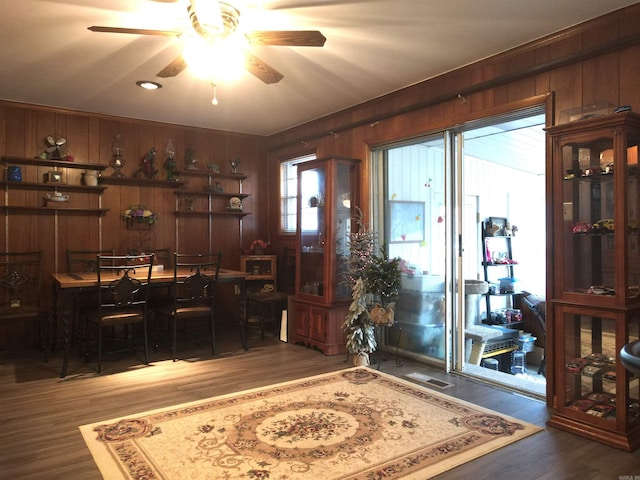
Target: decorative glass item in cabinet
x=117 y=157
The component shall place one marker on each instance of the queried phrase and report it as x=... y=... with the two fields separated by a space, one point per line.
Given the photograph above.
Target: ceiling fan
x=214 y=22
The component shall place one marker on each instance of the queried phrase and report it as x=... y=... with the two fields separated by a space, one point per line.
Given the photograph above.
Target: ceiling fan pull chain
x=214 y=101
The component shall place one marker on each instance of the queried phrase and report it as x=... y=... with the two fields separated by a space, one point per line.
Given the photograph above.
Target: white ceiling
x=374 y=47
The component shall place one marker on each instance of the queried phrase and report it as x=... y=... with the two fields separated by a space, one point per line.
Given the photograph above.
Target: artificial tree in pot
x=373 y=278
x=382 y=279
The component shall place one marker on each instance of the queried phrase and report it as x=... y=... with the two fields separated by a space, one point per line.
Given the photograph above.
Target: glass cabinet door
x=312 y=192
x=345 y=178
x=633 y=216
x=600 y=211
x=596 y=384
x=588 y=212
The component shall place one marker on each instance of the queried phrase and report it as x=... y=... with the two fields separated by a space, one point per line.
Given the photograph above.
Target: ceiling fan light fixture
x=148 y=84
x=212 y=19
x=222 y=60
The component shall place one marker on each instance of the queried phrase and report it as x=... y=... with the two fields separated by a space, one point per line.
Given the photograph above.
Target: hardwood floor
x=40 y=414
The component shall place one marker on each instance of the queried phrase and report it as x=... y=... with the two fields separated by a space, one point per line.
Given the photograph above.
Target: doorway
x=501 y=165
x=433 y=198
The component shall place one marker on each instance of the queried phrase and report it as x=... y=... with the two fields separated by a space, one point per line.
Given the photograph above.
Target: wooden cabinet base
x=318 y=326
x=627 y=442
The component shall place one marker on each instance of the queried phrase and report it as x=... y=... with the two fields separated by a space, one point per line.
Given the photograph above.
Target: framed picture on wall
x=406 y=221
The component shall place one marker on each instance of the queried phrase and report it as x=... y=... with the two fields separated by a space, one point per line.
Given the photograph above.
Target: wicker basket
x=382 y=315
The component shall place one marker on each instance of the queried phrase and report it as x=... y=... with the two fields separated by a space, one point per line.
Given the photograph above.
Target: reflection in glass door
x=413 y=215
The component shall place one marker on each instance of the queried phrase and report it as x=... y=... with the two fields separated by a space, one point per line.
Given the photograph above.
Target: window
x=289 y=192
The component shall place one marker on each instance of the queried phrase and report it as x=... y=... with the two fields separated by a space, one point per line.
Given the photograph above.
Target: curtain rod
x=580 y=56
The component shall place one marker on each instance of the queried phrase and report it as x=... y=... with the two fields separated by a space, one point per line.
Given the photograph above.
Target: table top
x=90 y=279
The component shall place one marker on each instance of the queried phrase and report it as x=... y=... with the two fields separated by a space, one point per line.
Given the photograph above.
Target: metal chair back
x=85 y=260
x=20 y=281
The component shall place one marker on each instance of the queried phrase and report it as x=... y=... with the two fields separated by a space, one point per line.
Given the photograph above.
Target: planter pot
x=361 y=359
x=382 y=316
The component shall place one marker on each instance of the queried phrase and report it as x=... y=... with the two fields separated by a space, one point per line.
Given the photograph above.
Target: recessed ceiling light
x=148 y=84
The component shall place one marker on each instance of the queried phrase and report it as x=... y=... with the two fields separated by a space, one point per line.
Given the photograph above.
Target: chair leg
x=146 y=342
x=213 y=336
x=99 y=348
x=175 y=335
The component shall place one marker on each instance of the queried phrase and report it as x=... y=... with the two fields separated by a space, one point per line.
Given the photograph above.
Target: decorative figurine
x=189 y=161
x=147 y=165
x=235 y=203
x=170 y=163
x=235 y=164
x=213 y=167
x=55 y=149
x=117 y=157
x=216 y=187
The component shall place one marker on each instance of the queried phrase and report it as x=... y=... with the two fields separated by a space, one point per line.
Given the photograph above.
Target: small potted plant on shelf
x=374 y=281
x=139 y=214
x=259 y=246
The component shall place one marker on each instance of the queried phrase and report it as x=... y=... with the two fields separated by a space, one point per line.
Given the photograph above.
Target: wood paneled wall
x=592 y=62
x=22 y=132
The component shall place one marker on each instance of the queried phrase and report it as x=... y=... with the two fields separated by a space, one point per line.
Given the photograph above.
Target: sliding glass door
x=434 y=201
x=411 y=216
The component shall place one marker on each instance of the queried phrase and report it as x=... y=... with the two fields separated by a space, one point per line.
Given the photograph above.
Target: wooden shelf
x=52 y=186
x=51 y=163
x=207 y=173
x=52 y=210
x=187 y=193
x=140 y=182
x=217 y=214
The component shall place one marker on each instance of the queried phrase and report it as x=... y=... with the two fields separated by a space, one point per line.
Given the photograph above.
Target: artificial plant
x=357 y=324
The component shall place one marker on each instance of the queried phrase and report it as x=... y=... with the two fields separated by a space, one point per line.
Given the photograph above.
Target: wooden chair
x=192 y=294
x=163 y=257
x=79 y=261
x=20 y=290
x=537 y=306
x=83 y=261
x=122 y=294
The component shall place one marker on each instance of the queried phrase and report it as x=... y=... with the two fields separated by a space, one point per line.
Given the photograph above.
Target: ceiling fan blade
x=134 y=31
x=173 y=69
x=261 y=70
x=287 y=38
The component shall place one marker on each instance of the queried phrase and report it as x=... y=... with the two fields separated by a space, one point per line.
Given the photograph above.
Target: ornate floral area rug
x=352 y=424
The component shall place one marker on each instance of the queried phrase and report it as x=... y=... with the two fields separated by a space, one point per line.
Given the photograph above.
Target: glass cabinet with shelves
x=595 y=282
x=326 y=188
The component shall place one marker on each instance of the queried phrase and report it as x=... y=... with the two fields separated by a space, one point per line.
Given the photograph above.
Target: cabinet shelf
x=52 y=210
x=140 y=182
x=52 y=186
x=51 y=163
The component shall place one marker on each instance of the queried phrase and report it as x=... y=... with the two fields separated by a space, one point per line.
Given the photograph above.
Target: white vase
x=90 y=178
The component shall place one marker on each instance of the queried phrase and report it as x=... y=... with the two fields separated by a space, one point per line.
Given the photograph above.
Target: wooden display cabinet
x=327 y=187
x=595 y=284
x=261 y=270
